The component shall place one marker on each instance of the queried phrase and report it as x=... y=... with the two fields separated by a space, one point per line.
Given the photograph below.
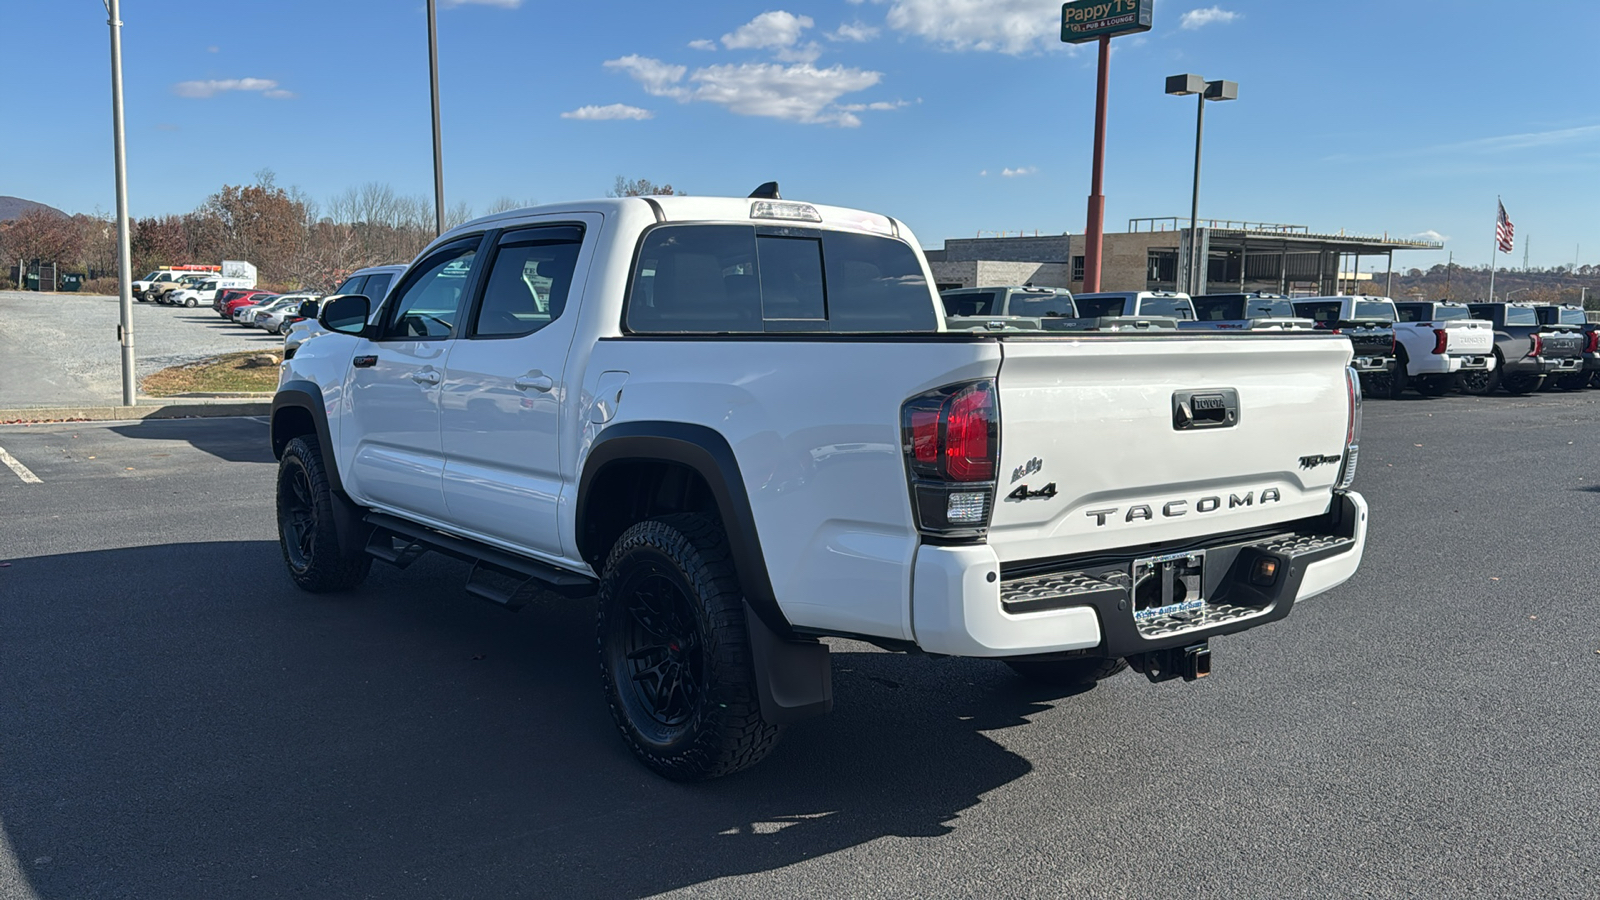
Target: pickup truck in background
x=1007 y=307
x=1135 y=304
x=745 y=426
x=1552 y=314
x=1247 y=312
x=1369 y=324
x=1440 y=345
x=1526 y=350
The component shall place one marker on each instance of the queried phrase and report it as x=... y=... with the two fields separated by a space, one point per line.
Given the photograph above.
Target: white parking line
x=21 y=470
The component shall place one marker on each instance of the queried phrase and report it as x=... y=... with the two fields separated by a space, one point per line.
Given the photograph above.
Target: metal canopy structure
x=1263 y=256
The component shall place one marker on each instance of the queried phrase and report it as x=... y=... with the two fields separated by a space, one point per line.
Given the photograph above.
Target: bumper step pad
x=1056 y=590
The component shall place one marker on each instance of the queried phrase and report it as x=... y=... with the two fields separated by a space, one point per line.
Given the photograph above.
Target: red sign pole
x=1095 y=230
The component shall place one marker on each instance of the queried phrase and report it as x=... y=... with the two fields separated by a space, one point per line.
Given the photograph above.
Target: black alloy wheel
x=665 y=660
x=297 y=518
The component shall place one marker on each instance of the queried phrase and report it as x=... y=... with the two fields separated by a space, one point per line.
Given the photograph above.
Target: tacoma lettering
x=1176 y=509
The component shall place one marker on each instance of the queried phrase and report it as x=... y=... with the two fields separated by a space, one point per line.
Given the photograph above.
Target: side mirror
x=346 y=314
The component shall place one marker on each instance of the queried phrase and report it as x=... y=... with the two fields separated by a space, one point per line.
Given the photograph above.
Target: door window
x=529 y=281
x=429 y=303
x=377 y=286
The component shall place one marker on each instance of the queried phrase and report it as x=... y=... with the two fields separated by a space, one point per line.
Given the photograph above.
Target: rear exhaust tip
x=1196 y=662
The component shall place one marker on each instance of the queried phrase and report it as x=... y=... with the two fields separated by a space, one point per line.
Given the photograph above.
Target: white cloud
x=853 y=31
x=655 y=76
x=203 y=89
x=702 y=44
x=1429 y=235
x=278 y=95
x=984 y=174
x=770 y=29
x=609 y=112
x=503 y=4
x=1200 y=18
x=879 y=106
x=1007 y=26
x=1019 y=172
x=796 y=93
x=805 y=53
x=213 y=49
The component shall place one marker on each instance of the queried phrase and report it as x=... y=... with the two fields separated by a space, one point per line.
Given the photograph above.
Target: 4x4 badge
x=1022 y=493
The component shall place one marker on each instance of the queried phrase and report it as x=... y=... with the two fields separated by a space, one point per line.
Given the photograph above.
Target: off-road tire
x=307 y=534
x=1435 y=385
x=670 y=604
x=1521 y=384
x=1078 y=670
x=1401 y=378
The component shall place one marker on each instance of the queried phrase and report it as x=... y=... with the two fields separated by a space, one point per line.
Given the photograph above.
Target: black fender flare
x=707 y=453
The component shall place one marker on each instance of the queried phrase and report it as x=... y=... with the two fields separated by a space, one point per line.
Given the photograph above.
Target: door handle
x=535 y=382
x=425 y=376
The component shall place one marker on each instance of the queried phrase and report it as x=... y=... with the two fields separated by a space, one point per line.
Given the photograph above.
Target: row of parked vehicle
x=1431 y=347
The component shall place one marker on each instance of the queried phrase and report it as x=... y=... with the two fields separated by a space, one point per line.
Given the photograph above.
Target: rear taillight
x=1352 y=430
x=1538 y=346
x=1593 y=344
x=1441 y=340
x=951 y=439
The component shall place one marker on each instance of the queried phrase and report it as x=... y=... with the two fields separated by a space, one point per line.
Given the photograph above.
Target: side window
x=377 y=286
x=876 y=284
x=529 y=281
x=429 y=302
x=353 y=286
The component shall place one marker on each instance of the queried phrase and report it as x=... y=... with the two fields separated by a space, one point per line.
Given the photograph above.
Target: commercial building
x=1153 y=253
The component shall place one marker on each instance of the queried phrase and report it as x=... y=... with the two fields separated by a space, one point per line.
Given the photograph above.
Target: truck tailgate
x=1468 y=337
x=1563 y=344
x=1096 y=418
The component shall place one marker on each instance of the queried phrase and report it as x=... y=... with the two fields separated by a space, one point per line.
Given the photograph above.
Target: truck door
x=395 y=454
x=506 y=386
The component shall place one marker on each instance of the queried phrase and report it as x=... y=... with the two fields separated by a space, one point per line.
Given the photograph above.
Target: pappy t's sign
x=1088 y=20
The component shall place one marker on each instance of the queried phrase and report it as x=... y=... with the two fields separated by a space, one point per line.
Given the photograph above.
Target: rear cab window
x=752 y=279
x=1374 y=309
x=1100 y=307
x=1042 y=306
x=1173 y=307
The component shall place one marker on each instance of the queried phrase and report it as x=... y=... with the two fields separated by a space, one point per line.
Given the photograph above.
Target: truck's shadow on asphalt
x=248 y=444
x=179 y=721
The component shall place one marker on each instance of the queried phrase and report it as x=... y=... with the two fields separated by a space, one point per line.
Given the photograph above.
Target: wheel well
x=289 y=423
x=629 y=491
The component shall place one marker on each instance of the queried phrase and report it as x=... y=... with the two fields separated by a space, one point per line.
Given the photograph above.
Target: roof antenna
x=768 y=191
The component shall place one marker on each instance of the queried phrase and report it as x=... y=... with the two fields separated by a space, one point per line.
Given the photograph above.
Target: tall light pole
x=438 y=152
x=124 y=264
x=1183 y=86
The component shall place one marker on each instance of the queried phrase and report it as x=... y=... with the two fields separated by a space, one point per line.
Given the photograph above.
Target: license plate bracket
x=1169 y=587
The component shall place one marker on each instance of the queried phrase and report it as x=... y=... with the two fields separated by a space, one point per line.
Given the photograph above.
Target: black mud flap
x=793 y=678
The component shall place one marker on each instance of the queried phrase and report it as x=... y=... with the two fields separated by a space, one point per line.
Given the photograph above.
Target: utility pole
x=438 y=152
x=124 y=264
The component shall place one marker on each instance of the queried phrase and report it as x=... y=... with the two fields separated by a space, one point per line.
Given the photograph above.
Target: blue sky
x=956 y=116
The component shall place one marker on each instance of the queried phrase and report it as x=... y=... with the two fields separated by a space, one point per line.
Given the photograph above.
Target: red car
x=228 y=301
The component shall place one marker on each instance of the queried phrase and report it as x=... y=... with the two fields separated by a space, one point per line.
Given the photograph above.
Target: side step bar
x=497 y=576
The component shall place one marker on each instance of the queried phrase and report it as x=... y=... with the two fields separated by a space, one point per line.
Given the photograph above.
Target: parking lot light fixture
x=1183 y=86
x=124 y=263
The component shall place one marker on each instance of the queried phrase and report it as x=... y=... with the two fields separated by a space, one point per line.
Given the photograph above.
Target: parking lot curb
x=155 y=409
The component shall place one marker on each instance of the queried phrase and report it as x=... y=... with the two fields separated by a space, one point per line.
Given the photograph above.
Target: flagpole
x=1493 y=254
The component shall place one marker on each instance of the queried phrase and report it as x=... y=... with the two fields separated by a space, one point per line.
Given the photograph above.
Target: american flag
x=1504 y=231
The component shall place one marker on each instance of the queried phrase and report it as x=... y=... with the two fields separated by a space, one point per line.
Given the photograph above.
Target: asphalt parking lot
x=180 y=722
x=62 y=350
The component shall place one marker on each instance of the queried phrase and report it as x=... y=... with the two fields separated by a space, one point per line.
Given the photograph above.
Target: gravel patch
x=61 y=349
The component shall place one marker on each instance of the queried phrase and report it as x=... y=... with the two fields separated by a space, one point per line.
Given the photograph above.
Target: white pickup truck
x=742 y=424
x=1437 y=343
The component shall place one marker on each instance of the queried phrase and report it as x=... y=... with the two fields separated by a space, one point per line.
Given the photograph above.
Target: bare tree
x=640 y=187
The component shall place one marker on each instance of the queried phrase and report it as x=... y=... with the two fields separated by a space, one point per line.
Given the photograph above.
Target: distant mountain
x=13 y=207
